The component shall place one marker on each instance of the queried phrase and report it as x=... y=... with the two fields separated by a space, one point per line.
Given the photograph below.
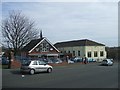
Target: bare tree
x=18 y=30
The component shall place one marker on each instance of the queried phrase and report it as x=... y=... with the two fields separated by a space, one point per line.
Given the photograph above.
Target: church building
x=41 y=47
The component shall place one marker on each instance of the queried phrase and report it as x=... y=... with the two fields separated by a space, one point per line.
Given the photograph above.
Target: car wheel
x=49 y=70
x=32 y=71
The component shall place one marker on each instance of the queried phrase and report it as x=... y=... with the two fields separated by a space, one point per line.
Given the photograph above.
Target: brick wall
x=15 y=64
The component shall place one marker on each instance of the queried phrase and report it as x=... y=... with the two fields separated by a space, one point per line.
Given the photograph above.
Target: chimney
x=41 y=34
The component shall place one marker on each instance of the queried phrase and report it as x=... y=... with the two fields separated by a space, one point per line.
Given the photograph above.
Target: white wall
x=84 y=50
x=98 y=49
x=76 y=49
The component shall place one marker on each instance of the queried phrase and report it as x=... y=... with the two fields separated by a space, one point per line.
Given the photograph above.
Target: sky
x=66 y=21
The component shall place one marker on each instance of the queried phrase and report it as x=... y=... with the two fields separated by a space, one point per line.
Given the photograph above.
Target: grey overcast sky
x=65 y=21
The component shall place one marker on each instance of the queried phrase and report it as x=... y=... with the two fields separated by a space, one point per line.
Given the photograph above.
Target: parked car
x=69 y=61
x=77 y=59
x=91 y=60
x=107 y=62
x=5 y=61
x=33 y=66
x=49 y=61
x=57 y=61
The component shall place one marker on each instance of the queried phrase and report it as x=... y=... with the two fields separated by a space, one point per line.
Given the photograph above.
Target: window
x=95 y=54
x=41 y=46
x=89 y=54
x=78 y=53
x=35 y=63
x=68 y=51
x=37 y=49
x=41 y=62
x=44 y=47
x=101 y=53
x=47 y=46
x=64 y=51
x=73 y=53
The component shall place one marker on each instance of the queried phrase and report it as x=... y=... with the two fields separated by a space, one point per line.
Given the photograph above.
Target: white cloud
x=67 y=21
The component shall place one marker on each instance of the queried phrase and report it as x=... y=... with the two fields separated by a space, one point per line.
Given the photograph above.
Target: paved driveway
x=73 y=76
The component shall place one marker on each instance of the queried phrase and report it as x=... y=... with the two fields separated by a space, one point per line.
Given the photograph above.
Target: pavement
x=91 y=75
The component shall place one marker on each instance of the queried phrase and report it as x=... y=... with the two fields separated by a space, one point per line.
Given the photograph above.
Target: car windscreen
x=104 y=60
x=25 y=62
x=109 y=60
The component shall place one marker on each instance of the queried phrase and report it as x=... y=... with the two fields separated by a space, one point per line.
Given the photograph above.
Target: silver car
x=107 y=62
x=34 y=66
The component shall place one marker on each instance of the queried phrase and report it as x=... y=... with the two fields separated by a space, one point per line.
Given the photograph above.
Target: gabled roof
x=34 y=43
x=84 y=42
x=31 y=44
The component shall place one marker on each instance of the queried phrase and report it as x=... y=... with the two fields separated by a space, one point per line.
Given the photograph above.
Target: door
x=35 y=65
x=42 y=66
